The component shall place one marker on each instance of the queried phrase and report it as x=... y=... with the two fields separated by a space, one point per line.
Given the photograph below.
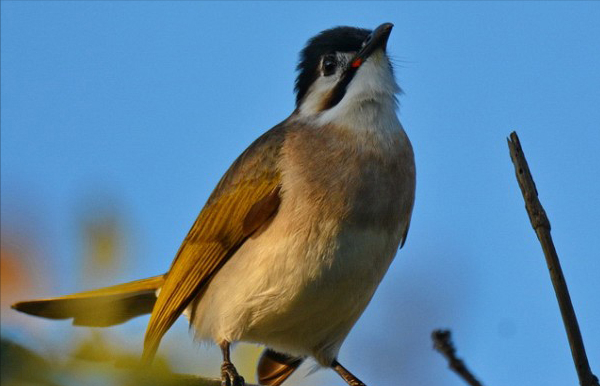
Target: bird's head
x=342 y=66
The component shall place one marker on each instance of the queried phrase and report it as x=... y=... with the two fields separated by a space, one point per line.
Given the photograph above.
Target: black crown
x=338 y=39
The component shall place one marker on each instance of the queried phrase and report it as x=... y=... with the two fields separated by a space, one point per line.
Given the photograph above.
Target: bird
x=291 y=245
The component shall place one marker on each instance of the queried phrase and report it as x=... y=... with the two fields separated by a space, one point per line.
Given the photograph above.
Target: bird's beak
x=377 y=39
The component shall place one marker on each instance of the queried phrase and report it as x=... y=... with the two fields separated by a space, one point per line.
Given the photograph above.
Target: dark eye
x=329 y=64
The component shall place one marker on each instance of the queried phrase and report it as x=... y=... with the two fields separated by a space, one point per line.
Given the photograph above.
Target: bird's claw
x=356 y=383
x=230 y=376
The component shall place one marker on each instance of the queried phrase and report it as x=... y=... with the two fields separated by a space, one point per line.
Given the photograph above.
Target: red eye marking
x=356 y=63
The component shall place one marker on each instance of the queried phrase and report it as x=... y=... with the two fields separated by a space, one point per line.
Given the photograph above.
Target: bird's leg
x=347 y=375
x=229 y=375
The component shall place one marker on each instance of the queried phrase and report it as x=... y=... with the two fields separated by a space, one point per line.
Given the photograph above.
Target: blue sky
x=141 y=106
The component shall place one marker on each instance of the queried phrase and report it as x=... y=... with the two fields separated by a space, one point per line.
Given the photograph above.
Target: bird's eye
x=329 y=65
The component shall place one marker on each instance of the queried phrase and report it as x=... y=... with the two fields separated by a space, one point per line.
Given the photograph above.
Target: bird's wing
x=245 y=199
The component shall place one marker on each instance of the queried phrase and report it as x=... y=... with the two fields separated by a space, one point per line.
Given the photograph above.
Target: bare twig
x=442 y=342
x=541 y=225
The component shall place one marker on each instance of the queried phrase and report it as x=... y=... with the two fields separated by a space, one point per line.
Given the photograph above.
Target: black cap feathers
x=340 y=39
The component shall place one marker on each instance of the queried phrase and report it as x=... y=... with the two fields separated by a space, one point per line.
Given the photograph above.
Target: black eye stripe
x=340 y=89
x=368 y=40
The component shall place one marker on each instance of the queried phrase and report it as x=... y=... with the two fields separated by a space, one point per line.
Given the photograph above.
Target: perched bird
x=297 y=235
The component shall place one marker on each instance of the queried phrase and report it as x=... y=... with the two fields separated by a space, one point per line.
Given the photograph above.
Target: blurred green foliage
x=90 y=365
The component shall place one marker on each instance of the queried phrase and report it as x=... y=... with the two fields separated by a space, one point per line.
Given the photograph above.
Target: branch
x=179 y=380
x=442 y=342
x=541 y=225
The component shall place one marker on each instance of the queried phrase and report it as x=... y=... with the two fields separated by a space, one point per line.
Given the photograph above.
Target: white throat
x=369 y=103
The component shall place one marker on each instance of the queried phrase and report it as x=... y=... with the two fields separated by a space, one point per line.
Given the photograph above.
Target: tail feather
x=99 y=308
x=274 y=368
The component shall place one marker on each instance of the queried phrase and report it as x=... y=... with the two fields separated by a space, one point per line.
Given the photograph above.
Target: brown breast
x=365 y=178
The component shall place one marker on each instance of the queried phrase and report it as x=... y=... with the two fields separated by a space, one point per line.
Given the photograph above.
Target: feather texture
x=219 y=231
x=274 y=368
x=98 y=308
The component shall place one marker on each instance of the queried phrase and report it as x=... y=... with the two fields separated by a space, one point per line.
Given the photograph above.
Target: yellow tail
x=99 y=308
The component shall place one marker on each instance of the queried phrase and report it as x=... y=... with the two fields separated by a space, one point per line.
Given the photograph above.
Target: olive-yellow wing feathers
x=246 y=199
x=98 y=308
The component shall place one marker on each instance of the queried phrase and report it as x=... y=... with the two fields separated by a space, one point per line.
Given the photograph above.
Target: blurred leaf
x=95 y=348
x=245 y=357
x=19 y=366
x=103 y=243
x=15 y=275
x=22 y=367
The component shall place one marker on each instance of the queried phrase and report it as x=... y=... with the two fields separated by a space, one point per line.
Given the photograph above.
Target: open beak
x=377 y=39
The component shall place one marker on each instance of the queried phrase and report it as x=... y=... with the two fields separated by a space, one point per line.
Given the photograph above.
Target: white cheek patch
x=373 y=81
x=370 y=97
x=317 y=93
x=320 y=90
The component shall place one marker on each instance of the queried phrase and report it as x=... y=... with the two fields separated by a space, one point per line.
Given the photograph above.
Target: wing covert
x=220 y=229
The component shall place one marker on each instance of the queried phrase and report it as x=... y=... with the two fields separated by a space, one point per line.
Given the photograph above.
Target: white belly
x=300 y=293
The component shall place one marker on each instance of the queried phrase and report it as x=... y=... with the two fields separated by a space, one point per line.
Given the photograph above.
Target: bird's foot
x=350 y=379
x=230 y=376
